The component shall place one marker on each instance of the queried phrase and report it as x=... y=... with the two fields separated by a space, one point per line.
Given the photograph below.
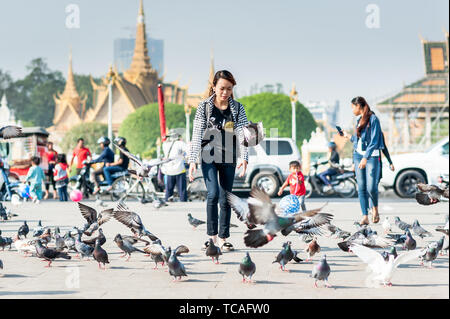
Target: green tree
x=32 y=99
x=274 y=110
x=90 y=132
x=141 y=128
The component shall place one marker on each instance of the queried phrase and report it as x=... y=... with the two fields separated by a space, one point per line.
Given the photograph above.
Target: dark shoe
x=227 y=246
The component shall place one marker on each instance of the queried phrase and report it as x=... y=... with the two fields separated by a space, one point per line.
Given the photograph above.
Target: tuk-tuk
x=18 y=151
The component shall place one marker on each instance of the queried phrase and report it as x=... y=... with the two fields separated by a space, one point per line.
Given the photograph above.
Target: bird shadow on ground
x=270 y=282
x=344 y=287
x=198 y=280
x=30 y=293
x=230 y=263
x=122 y=267
x=14 y=276
x=207 y=273
x=421 y=267
x=299 y=271
x=420 y=285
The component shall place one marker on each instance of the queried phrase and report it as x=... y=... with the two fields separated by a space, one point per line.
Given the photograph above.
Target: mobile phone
x=340 y=131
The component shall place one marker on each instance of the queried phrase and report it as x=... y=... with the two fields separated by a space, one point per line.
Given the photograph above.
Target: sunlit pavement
x=27 y=278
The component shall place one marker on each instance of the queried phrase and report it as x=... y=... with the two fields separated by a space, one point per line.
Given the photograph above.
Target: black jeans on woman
x=219 y=177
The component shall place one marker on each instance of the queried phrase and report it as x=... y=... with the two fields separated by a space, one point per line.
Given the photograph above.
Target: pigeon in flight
x=132 y=221
x=100 y=237
x=382 y=271
x=240 y=207
x=253 y=134
x=321 y=271
x=310 y=226
x=247 y=268
x=262 y=212
x=365 y=237
x=430 y=194
x=94 y=219
x=10 y=131
x=336 y=231
x=160 y=254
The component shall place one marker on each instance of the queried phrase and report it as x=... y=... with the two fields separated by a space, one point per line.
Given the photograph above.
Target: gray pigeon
x=194 y=222
x=213 y=251
x=83 y=249
x=419 y=230
x=284 y=256
x=430 y=194
x=401 y=224
x=410 y=242
x=39 y=230
x=430 y=255
x=100 y=255
x=321 y=271
x=59 y=242
x=94 y=219
x=49 y=254
x=247 y=268
x=132 y=221
x=176 y=268
x=126 y=247
x=69 y=242
x=9 y=131
x=440 y=243
x=23 y=230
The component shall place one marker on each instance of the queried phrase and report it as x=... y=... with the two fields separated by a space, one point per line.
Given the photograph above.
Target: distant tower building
x=325 y=114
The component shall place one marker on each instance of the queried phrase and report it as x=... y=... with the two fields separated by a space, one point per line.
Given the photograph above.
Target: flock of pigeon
x=264 y=221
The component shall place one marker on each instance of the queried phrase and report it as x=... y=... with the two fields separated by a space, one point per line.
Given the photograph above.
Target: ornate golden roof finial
x=294 y=94
x=422 y=38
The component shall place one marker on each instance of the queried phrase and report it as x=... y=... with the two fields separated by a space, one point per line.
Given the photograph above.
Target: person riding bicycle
x=107 y=156
x=120 y=166
x=333 y=169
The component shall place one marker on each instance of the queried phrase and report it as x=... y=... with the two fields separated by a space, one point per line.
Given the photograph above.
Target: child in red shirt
x=296 y=181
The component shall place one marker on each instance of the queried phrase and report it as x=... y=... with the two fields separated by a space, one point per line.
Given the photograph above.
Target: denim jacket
x=371 y=137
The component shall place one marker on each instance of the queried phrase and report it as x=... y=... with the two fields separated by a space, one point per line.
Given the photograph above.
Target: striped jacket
x=200 y=126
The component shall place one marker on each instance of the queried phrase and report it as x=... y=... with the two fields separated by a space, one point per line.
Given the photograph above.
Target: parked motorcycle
x=343 y=183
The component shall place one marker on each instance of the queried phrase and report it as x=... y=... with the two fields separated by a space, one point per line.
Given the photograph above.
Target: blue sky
x=323 y=46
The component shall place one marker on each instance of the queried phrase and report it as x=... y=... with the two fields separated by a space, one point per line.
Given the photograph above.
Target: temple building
x=135 y=87
x=418 y=114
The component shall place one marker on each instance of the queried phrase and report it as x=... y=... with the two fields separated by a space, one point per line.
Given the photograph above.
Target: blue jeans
x=368 y=179
x=216 y=194
x=62 y=193
x=6 y=181
x=328 y=172
x=108 y=171
x=178 y=180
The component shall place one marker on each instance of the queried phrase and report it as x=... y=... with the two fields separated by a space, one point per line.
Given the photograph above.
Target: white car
x=413 y=168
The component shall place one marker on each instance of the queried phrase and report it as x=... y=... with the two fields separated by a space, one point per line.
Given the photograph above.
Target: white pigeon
x=24 y=246
x=386 y=225
x=382 y=271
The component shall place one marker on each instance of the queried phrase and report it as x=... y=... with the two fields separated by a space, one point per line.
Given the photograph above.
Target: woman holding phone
x=367 y=147
x=217 y=139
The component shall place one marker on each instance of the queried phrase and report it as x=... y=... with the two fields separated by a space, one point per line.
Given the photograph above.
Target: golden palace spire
x=70 y=90
x=140 y=63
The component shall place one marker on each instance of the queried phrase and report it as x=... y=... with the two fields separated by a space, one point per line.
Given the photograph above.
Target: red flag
x=162 y=116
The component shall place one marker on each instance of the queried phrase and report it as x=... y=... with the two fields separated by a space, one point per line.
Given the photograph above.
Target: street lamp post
x=187 y=113
x=110 y=76
x=294 y=98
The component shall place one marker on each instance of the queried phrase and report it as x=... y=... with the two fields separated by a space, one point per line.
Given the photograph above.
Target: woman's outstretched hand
x=243 y=164
x=192 y=170
x=362 y=164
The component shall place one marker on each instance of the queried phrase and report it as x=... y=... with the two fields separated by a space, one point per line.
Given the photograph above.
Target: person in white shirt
x=174 y=148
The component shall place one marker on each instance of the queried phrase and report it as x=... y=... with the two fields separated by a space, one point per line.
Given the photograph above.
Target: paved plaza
x=27 y=278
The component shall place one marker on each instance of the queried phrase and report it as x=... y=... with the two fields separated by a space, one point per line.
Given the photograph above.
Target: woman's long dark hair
x=222 y=74
x=366 y=114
